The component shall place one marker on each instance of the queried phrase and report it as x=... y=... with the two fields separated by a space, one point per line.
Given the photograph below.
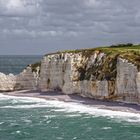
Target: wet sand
x=54 y=95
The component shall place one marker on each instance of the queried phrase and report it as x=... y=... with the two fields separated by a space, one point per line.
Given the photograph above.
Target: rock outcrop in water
x=102 y=73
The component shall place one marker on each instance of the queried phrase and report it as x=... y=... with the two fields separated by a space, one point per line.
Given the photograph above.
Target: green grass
x=108 y=49
x=35 y=65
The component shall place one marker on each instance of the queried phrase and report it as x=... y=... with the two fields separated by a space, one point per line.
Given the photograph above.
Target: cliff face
x=62 y=72
x=99 y=73
x=25 y=80
x=96 y=76
x=127 y=81
x=7 y=82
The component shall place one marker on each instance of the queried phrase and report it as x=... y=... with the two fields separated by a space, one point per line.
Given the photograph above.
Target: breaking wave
x=69 y=107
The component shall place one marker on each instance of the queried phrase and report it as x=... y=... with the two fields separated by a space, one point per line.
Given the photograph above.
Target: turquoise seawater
x=38 y=119
x=16 y=63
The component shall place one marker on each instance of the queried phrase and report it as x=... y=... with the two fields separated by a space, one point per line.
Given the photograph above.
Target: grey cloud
x=17 y=8
x=75 y=23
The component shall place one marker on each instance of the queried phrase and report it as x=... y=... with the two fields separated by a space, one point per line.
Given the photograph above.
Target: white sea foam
x=27 y=121
x=106 y=128
x=21 y=99
x=1 y=123
x=74 y=115
x=26 y=106
x=71 y=107
x=18 y=132
x=49 y=116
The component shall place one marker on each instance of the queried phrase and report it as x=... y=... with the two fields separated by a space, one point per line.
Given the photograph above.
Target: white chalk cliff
x=7 y=82
x=95 y=75
x=25 y=80
x=62 y=72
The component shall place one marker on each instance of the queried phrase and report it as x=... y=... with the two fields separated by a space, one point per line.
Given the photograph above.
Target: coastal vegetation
x=35 y=66
x=118 y=48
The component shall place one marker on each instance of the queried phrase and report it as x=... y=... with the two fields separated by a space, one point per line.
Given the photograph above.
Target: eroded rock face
x=25 y=80
x=63 y=74
x=127 y=81
x=7 y=82
x=138 y=85
x=68 y=72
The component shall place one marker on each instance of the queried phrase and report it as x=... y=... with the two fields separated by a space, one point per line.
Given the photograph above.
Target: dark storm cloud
x=68 y=24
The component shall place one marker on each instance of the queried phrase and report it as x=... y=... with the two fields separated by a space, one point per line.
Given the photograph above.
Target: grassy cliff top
x=127 y=51
x=120 y=48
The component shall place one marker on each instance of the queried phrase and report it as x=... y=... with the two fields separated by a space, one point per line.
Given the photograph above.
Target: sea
x=16 y=63
x=26 y=118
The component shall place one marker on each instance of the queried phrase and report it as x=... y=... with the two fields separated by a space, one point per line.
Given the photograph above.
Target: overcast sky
x=42 y=26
